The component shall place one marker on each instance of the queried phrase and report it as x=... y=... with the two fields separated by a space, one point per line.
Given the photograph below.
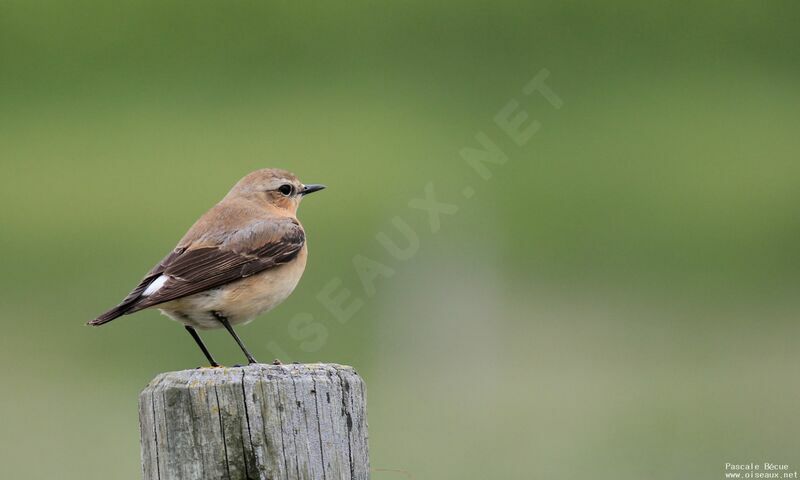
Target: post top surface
x=206 y=376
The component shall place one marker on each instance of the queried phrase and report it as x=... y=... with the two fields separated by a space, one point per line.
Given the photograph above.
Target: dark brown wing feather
x=209 y=267
x=193 y=270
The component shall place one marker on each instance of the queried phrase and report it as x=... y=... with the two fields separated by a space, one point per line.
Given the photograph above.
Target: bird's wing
x=193 y=269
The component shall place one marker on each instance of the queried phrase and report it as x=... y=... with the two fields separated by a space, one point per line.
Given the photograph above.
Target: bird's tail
x=112 y=314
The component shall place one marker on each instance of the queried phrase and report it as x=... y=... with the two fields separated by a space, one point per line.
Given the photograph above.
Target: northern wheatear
x=240 y=259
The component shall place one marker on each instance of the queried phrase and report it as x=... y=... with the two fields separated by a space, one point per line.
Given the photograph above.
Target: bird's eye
x=286 y=189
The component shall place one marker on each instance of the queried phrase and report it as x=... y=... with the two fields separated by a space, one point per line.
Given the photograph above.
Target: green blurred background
x=619 y=301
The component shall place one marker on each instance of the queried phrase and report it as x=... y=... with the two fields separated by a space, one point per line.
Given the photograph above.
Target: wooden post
x=276 y=422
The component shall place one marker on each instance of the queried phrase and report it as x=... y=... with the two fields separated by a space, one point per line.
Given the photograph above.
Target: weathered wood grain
x=276 y=422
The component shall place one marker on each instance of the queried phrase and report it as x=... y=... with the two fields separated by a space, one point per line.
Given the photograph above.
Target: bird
x=241 y=258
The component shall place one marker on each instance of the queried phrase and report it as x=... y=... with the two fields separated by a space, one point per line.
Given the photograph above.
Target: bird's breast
x=251 y=296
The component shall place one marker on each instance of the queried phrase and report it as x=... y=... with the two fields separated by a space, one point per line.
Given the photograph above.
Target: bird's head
x=277 y=188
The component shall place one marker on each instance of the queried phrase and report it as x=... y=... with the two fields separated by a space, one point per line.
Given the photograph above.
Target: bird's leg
x=230 y=330
x=202 y=345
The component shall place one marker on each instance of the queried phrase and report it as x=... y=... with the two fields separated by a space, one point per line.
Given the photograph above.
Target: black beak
x=311 y=189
